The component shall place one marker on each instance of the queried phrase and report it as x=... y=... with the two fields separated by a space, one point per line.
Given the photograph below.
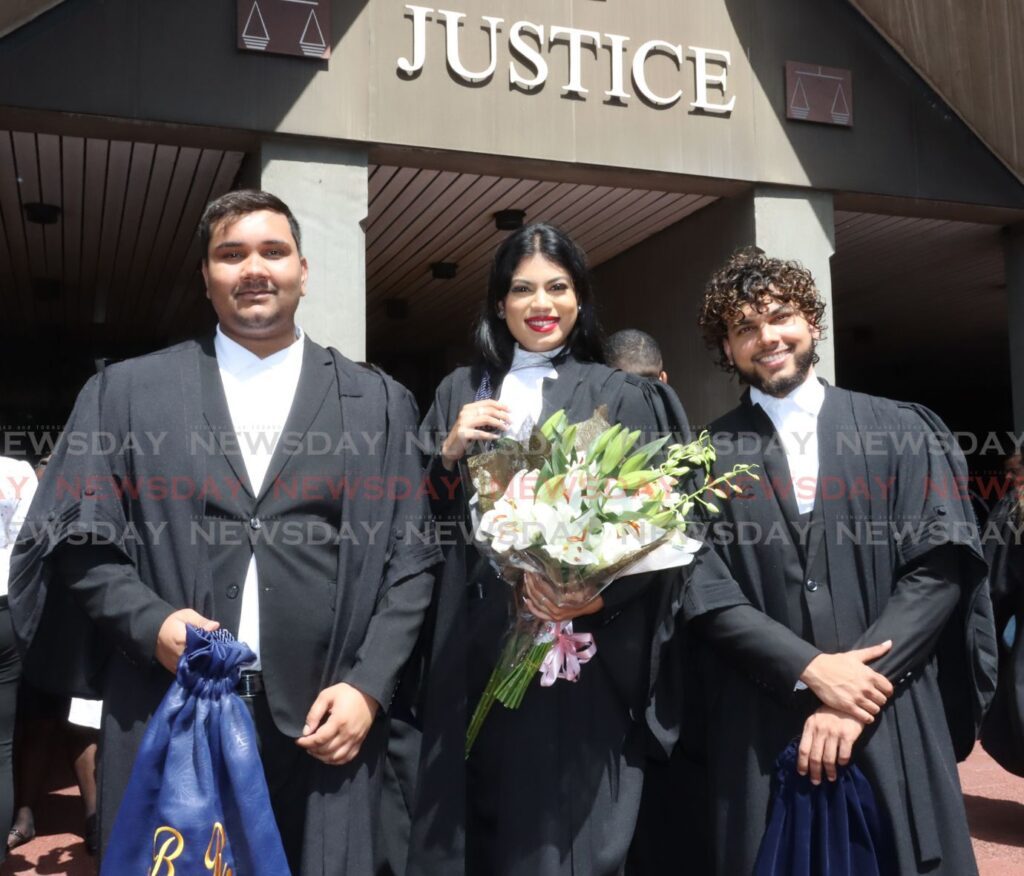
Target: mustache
x=255 y=286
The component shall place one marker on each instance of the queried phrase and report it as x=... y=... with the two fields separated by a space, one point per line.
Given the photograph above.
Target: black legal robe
x=344 y=576
x=771 y=592
x=554 y=787
x=1002 y=734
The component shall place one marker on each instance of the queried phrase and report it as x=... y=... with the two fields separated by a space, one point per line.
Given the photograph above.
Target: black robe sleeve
x=446 y=497
x=926 y=595
x=108 y=589
x=75 y=507
x=966 y=649
x=412 y=554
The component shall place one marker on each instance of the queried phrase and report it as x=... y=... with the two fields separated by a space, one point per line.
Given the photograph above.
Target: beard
x=783 y=384
x=258 y=318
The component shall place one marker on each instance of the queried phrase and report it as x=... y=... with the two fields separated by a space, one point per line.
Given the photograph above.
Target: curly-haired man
x=835 y=594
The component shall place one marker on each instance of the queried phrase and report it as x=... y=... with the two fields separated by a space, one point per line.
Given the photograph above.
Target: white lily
x=616 y=502
x=572 y=551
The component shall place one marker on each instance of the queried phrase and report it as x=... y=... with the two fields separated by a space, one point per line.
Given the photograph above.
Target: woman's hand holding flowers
x=545 y=602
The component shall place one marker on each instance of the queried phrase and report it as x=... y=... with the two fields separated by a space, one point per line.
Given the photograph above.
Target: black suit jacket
x=337 y=526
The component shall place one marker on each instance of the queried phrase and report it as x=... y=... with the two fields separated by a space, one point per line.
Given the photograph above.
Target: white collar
x=809 y=396
x=525 y=359
x=236 y=359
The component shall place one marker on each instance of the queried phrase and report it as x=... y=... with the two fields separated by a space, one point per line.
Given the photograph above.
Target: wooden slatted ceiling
x=417 y=217
x=970 y=54
x=922 y=283
x=121 y=264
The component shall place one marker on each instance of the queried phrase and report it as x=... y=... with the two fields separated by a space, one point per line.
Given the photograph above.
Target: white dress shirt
x=260 y=393
x=523 y=389
x=795 y=418
x=17 y=487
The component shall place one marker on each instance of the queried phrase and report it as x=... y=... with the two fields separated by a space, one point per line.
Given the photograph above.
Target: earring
x=501 y=313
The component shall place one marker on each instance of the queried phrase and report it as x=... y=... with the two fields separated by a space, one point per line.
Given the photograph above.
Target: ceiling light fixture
x=444 y=270
x=509 y=220
x=42 y=214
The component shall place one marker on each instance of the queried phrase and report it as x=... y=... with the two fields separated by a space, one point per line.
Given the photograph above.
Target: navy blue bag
x=197 y=799
x=831 y=829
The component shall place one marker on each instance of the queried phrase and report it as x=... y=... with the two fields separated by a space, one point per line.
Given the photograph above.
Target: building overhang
x=15 y=13
x=969 y=53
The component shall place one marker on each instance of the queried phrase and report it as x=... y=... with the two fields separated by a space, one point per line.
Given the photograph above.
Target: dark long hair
x=494 y=342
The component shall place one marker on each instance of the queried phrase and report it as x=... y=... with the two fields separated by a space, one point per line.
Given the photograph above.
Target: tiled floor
x=994 y=798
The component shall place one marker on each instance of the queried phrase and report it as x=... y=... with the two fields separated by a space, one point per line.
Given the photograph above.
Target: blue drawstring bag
x=831 y=829
x=197 y=800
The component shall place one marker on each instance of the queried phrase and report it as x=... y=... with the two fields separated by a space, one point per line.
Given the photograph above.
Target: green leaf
x=559 y=462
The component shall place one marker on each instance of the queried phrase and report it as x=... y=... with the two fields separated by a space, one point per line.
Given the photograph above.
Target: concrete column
x=658 y=285
x=1013 y=243
x=798 y=224
x=325 y=184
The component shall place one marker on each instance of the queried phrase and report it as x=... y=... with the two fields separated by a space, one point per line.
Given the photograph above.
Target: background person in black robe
x=1002 y=734
x=636 y=352
x=888 y=552
x=553 y=787
x=146 y=519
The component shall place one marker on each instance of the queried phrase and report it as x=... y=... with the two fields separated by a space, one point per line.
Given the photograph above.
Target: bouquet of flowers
x=578 y=505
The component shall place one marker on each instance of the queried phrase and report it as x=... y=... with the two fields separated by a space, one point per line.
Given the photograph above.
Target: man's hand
x=170 y=641
x=347 y=714
x=844 y=682
x=542 y=601
x=827 y=740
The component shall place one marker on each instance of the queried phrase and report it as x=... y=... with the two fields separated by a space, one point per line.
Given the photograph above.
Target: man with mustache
x=332 y=621
x=867 y=634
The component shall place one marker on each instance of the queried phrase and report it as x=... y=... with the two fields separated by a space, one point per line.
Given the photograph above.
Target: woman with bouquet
x=552 y=787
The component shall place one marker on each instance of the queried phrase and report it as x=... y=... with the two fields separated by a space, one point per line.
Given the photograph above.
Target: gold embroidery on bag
x=170 y=848
x=215 y=862
x=169 y=844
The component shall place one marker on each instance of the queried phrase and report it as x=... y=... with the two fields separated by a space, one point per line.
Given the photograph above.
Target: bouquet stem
x=512 y=689
x=520 y=661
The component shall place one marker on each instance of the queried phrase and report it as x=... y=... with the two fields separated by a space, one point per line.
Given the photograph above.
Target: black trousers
x=10 y=672
x=287 y=769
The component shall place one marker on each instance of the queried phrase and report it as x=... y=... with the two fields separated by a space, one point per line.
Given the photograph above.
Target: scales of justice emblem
x=819 y=94
x=256 y=35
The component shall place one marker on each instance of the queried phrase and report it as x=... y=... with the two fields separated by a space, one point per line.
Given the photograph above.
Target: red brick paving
x=995 y=810
x=58 y=847
x=994 y=798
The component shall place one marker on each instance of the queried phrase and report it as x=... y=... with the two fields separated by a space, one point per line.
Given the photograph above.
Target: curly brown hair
x=752 y=277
